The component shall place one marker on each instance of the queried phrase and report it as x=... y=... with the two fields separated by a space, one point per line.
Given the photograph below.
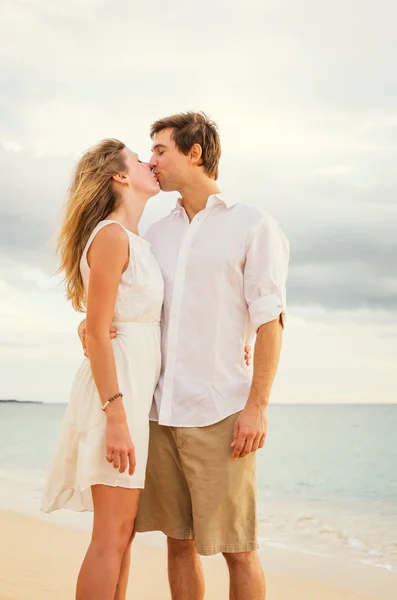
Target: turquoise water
x=327 y=478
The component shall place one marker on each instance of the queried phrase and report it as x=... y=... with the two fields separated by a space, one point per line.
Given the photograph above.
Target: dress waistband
x=122 y=324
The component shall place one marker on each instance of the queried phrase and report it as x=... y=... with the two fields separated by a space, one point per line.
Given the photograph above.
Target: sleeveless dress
x=79 y=460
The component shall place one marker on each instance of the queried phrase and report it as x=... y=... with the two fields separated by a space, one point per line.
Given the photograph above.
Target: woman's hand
x=247 y=355
x=119 y=447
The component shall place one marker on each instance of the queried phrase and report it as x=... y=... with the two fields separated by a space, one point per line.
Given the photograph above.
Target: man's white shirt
x=224 y=275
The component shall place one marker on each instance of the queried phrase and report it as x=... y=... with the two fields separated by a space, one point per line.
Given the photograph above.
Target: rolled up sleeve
x=265 y=272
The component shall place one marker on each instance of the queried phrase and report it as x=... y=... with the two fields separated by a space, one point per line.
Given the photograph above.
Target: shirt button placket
x=173 y=327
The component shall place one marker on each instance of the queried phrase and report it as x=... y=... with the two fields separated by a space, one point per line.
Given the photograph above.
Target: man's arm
x=251 y=426
x=266 y=359
x=265 y=272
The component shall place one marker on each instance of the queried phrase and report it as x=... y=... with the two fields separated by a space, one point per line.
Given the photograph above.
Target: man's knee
x=241 y=559
x=181 y=548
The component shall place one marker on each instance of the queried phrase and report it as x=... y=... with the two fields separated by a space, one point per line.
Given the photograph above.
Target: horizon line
x=347 y=403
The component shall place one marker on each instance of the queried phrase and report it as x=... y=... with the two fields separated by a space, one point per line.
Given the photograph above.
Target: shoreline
x=40 y=558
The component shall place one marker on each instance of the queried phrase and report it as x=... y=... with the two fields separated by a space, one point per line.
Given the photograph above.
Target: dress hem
x=53 y=506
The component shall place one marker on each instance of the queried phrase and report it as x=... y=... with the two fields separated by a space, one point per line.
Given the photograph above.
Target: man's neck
x=195 y=196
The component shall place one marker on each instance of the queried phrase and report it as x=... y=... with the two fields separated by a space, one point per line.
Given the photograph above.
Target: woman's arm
x=107 y=258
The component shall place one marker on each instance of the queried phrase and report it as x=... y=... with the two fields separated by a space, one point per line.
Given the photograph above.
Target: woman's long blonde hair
x=91 y=198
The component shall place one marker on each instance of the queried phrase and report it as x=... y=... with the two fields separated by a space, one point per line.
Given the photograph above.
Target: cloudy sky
x=305 y=96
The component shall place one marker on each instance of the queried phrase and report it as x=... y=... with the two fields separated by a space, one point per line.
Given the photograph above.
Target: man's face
x=168 y=163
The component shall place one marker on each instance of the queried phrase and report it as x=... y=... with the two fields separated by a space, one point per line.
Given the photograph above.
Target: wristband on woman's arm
x=118 y=395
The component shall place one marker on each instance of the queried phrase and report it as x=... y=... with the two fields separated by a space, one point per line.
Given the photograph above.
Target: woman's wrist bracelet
x=118 y=395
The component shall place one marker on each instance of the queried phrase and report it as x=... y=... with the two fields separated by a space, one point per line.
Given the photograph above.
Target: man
x=224 y=267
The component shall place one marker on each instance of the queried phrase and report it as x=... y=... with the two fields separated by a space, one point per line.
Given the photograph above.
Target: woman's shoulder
x=108 y=240
x=110 y=233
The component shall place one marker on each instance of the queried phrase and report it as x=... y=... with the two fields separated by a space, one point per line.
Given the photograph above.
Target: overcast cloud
x=305 y=95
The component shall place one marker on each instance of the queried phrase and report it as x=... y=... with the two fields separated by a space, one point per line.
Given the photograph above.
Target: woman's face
x=140 y=174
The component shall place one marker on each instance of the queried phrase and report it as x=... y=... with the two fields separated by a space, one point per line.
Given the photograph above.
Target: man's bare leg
x=246 y=576
x=185 y=572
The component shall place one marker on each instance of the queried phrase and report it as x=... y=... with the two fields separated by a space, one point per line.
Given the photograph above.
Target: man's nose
x=153 y=162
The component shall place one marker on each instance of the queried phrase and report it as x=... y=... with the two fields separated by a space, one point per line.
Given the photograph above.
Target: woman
x=100 y=459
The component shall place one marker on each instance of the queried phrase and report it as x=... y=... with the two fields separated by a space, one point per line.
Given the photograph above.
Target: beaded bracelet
x=118 y=395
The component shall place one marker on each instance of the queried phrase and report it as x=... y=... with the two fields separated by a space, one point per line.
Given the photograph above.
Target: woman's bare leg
x=122 y=584
x=115 y=509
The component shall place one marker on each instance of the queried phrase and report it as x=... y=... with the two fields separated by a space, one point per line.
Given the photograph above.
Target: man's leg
x=185 y=572
x=223 y=495
x=246 y=576
x=165 y=505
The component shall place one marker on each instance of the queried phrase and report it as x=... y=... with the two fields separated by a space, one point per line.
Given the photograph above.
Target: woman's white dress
x=79 y=461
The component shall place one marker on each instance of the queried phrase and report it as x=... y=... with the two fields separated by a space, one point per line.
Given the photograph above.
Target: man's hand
x=249 y=431
x=81 y=330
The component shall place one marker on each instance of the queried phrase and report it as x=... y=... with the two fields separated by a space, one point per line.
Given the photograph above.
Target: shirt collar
x=213 y=200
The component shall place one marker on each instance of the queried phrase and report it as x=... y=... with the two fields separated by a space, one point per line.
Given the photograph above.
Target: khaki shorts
x=194 y=490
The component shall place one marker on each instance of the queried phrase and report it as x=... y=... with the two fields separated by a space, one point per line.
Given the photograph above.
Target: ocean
x=327 y=477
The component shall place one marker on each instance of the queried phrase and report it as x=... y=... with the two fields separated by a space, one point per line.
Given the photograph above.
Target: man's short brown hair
x=194 y=128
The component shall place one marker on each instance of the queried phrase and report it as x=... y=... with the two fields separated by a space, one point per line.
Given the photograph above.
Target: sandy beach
x=39 y=560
